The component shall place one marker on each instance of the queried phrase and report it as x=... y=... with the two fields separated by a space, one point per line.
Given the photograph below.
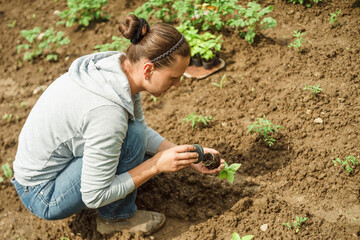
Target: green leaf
x=235 y=236
x=222 y=174
x=235 y=166
x=230 y=177
x=7 y=170
x=247 y=237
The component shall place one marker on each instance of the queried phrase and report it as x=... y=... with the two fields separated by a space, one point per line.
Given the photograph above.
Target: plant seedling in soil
x=118 y=44
x=349 y=163
x=220 y=84
x=297 y=223
x=39 y=41
x=197 y=119
x=236 y=236
x=228 y=172
x=7 y=170
x=161 y=9
x=7 y=117
x=82 y=12
x=333 y=18
x=264 y=128
x=298 y=41
x=11 y=24
x=314 y=89
x=308 y=4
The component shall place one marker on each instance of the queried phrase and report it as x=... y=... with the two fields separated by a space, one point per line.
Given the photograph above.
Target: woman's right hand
x=175 y=158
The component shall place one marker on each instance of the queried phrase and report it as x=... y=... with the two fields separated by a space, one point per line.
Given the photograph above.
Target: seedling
x=308 y=4
x=83 y=12
x=333 y=18
x=7 y=170
x=264 y=128
x=228 y=172
x=349 y=163
x=253 y=19
x=118 y=44
x=235 y=236
x=11 y=24
x=39 y=41
x=196 y=119
x=297 y=223
x=314 y=89
x=154 y=98
x=298 y=41
x=220 y=84
x=7 y=117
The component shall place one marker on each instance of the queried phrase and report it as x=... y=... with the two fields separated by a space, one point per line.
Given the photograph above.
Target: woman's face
x=161 y=80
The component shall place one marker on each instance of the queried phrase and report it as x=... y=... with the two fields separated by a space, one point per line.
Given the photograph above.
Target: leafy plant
x=253 y=19
x=333 y=17
x=297 y=223
x=228 y=172
x=82 y=12
x=307 y=2
x=349 y=163
x=39 y=41
x=7 y=170
x=220 y=84
x=118 y=44
x=264 y=128
x=314 y=89
x=195 y=119
x=235 y=236
x=161 y=9
x=11 y=24
x=298 y=41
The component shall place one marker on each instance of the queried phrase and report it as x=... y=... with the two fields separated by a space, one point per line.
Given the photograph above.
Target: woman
x=86 y=144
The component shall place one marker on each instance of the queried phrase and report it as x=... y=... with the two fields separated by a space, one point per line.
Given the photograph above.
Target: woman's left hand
x=201 y=168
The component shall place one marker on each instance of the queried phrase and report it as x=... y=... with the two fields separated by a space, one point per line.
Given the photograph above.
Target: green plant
x=220 y=84
x=118 y=44
x=349 y=163
x=333 y=17
x=82 y=12
x=228 y=172
x=314 y=89
x=161 y=9
x=297 y=223
x=154 y=98
x=7 y=170
x=253 y=19
x=7 y=117
x=39 y=41
x=298 y=41
x=11 y=24
x=264 y=128
x=307 y=2
x=236 y=236
x=195 y=119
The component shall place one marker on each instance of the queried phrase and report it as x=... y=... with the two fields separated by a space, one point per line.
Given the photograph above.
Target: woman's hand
x=201 y=168
x=175 y=158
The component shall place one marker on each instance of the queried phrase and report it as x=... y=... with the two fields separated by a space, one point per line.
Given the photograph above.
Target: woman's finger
x=187 y=155
x=210 y=150
x=184 y=148
x=186 y=162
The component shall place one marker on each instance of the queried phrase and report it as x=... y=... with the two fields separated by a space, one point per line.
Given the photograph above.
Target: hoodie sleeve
x=153 y=138
x=104 y=130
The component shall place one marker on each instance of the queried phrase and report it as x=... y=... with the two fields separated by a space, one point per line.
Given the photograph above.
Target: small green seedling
x=236 y=236
x=11 y=24
x=349 y=163
x=195 y=119
x=314 y=89
x=7 y=170
x=298 y=41
x=228 y=172
x=333 y=18
x=220 y=84
x=264 y=128
x=297 y=223
x=7 y=117
x=154 y=98
x=118 y=44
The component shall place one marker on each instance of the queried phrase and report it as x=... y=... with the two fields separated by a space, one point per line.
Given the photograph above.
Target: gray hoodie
x=84 y=113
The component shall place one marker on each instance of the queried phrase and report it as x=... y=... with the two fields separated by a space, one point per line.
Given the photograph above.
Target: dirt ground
x=295 y=177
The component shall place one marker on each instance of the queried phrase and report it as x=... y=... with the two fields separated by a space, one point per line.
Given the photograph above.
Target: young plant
x=228 y=172
x=307 y=2
x=11 y=24
x=118 y=44
x=349 y=163
x=7 y=170
x=82 y=12
x=235 y=236
x=314 y=89
x=298 y=41
x=7 y=117
x=333 y=18
x=39 y=41
x=220 y=84
x=197 y=119
x=161 y=9
x=264 y=128
x=253 y=19
x=297 y=223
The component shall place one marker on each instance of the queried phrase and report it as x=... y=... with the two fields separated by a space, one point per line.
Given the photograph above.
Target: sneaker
x=144 y=221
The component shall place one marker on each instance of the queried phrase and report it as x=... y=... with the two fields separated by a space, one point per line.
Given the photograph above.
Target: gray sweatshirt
x=84 y=113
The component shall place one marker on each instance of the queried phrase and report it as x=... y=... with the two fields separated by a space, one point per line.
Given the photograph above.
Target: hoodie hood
x=101 y=74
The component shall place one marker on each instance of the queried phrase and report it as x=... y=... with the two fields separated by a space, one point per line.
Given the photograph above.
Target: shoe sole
x=158 y=227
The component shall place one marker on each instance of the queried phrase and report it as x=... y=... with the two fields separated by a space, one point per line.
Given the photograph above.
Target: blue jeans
x=61 y=197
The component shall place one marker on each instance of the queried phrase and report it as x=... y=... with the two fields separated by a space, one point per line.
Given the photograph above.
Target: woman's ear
x=148 y=70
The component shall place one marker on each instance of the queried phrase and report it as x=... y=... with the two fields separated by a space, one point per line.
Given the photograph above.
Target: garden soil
x=294 y=177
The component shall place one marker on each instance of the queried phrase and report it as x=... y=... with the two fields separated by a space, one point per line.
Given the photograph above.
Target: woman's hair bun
x=134 y=28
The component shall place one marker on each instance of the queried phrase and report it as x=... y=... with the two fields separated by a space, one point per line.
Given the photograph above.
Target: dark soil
x=294 y=177
x=211 y=161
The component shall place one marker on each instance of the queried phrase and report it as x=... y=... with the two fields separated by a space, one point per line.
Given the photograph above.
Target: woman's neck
x=133 y=78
